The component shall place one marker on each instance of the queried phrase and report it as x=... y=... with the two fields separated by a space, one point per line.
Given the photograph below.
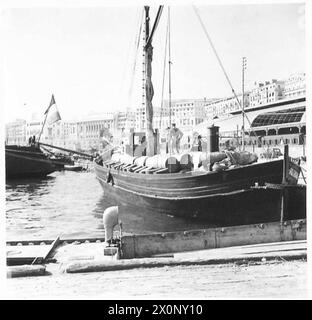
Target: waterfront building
x=140 y=119
x=185 y=113
x=268 y=125
x=267 y=92
x=217 y=108
x=62 y=134
x=295 y=86
x=90 y=131
x=15 y=132
x=124 y=121
x=161 y=117
x=34 y=126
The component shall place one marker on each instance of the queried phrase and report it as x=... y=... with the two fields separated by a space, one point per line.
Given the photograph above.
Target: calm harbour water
x=71 y=204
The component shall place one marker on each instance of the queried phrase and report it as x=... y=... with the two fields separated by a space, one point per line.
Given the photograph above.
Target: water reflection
x=138 y=220
x=71 y=204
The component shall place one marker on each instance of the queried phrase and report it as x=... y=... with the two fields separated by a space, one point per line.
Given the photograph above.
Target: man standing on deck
x=176 y=135
x=168 y=141
x=200 y=143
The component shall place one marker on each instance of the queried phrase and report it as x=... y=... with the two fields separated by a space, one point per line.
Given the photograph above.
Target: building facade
x=124 y=121
x=267 y=92
x=15 y=132
x=220 y=107
x=33 y=128
x=61 y=134
x=185 y=113
x=90 y=132
x=140 y=118
x=295 y=85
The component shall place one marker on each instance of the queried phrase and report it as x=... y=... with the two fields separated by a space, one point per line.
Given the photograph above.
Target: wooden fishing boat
x=220 y=197
x=30 y=161
x=26 y=161
x=188 y=194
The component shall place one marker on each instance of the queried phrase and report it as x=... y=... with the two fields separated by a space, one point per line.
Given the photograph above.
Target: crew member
x=168 y=141
x=176 y=135
x=200 y=143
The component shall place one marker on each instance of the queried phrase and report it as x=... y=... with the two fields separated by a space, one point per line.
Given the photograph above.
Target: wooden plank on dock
x=26 y=271
x=54 y=244
x=139 y=246
x=239 y=255
x=19 y=255
x=30 y=254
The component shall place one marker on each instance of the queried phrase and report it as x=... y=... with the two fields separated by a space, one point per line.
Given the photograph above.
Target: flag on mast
x=54 y=114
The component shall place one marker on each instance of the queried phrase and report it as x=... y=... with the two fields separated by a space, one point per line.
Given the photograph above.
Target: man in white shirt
x=176 y=135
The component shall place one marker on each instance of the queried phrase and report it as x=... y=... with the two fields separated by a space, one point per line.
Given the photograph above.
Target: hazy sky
x=85 y=56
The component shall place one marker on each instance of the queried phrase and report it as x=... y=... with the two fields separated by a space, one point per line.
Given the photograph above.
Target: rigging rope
x=137 y=42
x=220 y=62
x=149 y=40
x=164 y=75
x=170 y=62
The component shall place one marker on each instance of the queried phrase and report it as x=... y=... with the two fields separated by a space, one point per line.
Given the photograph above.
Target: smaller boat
x=67 y=162
x=73 y=167
x=26 y=161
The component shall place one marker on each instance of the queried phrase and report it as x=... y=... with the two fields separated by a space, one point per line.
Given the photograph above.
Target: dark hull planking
x=221 y=198
x=26 y=162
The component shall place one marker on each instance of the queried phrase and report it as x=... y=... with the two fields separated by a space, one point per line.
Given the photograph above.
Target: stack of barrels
x=174 y=163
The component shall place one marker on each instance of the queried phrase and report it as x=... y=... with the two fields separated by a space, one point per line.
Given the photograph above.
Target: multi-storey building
x=262 y=94
x=124 y=121
x=140 y=118
x=221 y=107
x=16 y=132
x=267 y=92
x=185 y=113
x=62 y=134
x=91 y=130
x=295 y=85
x=161 y=117
x=34 y=126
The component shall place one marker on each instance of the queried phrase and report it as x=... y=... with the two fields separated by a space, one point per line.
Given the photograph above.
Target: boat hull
x=220 y=198
x=24 y=162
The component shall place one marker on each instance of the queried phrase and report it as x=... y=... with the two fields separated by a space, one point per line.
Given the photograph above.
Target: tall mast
x=149 y=91
x=243 y=100
x=142 y=120
x=169 y=53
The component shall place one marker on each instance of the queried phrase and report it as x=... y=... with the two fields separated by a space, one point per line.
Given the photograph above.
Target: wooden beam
x=53 y=246
x=139 y=246
x=67 y=150
x=26 y=271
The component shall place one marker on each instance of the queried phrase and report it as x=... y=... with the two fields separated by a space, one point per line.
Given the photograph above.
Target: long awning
x=279 y=117
x=254 y=119
x=229 y=124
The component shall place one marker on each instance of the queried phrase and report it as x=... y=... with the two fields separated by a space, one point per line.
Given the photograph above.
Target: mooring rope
x=221 y=65
x=164 y=74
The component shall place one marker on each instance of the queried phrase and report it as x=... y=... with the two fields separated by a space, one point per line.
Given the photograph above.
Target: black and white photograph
x=155 y=151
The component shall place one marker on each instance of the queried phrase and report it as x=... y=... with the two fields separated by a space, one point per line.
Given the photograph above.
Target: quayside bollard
x=110 y=220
